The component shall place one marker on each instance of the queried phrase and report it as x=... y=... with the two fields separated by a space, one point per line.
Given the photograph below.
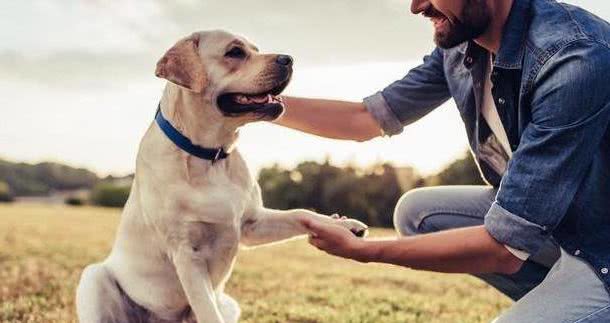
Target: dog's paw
x=358 y=228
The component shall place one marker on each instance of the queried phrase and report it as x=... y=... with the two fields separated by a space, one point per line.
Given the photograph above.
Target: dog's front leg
x=195 y=279
x=267 y=225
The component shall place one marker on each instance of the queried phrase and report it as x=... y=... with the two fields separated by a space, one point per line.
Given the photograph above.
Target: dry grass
x=44 y=248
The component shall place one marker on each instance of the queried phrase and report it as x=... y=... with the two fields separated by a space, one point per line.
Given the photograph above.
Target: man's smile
x=439 y=22
x=438 y=19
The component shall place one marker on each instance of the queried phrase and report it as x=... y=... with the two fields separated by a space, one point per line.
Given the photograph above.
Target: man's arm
x=330 y=118
x=468 y=250
x=385 y=113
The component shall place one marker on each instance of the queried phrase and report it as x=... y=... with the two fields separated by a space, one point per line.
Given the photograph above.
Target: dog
x=193 y=200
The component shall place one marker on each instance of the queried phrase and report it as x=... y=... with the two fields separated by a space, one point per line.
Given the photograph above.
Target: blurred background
x=77 y=91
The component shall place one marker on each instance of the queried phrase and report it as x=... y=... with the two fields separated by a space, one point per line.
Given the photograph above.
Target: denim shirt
x=551 y=86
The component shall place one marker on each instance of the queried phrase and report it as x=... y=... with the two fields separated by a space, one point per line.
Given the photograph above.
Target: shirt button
x=577 y=252
x=604 y=270
x=501 y=101
x=469 y=60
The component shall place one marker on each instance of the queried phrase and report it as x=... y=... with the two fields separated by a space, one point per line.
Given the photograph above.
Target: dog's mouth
x=265 y=105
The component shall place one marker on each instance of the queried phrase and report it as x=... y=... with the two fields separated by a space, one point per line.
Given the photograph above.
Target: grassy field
x=44 y=248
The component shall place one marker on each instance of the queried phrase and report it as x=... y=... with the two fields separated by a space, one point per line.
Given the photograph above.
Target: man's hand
x=336 y=240
x=466 y=250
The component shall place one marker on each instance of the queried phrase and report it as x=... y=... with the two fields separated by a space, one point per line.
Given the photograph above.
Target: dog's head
x=229 y=72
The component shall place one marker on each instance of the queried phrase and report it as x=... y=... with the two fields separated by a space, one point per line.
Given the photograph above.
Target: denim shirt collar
x=512 y=46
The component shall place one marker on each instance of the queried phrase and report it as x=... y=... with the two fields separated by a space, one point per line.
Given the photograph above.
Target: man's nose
x=418 y=6
x=284 y=60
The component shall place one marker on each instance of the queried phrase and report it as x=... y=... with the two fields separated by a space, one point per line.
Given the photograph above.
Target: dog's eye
x=236 y=52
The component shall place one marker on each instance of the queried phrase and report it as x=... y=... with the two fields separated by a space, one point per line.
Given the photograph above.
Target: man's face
x=455 y=21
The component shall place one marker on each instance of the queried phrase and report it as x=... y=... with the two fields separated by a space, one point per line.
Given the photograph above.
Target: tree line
x=22 y=179
x=368 y=194
x=43 y=179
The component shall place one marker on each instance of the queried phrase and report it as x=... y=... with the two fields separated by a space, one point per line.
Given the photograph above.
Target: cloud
x=78 y=42
x=315 y=31
x=76 y=69
x=44 y=38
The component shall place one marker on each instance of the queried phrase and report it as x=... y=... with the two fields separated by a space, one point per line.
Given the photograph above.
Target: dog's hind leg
x=99 y=298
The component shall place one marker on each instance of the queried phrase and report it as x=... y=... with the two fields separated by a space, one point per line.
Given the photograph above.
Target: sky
x=77 y=80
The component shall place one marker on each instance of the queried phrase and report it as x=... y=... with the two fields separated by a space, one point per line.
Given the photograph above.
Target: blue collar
x=185 y=143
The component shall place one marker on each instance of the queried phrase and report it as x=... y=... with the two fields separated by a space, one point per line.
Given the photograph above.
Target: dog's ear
x=182 y=65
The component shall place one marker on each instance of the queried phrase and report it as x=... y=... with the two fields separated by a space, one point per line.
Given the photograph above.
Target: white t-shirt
x=499 y=163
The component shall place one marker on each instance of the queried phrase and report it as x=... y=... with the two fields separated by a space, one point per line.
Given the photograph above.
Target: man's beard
x=474 y=22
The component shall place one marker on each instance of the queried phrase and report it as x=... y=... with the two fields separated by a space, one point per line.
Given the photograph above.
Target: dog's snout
x=284 y=60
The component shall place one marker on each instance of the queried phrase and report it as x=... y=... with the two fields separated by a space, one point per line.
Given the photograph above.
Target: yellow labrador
x=187 y=213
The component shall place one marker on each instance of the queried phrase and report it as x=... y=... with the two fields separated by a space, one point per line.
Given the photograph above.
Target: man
x=531 y=79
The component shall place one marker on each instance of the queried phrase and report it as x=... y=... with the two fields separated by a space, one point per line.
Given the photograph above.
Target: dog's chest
x=217 y=244
x=205 y=212
x=213 y=228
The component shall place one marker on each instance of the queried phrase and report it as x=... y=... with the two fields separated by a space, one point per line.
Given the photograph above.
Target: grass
x=44 y=248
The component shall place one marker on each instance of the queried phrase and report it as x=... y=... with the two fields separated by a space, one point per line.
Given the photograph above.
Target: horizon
x=84 y=96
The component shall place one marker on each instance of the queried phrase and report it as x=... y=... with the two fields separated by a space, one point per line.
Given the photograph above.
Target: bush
x=74 y=201
x=5 y=193
x=461 y=172
x=368 y=194
x=110 y=195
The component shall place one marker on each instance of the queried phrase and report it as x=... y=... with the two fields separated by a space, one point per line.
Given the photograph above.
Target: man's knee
x=409 y=212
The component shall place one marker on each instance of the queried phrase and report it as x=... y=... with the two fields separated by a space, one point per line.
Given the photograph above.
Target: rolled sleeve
x=517 y=253
x=379 y=109
x=514 y=231
x=407 y=100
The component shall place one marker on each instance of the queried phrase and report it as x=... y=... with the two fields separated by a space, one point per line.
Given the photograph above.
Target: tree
x=365 y=194
x=5 y=193
x=74 y=201
x=461 y=172
x=110 y=195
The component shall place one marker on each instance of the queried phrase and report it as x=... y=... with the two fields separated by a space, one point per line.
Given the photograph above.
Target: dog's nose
x=284 y=60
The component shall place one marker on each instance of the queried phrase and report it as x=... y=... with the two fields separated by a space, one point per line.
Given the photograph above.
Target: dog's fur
x=185 y=217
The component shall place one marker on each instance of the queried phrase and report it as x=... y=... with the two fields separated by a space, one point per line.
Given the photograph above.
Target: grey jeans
x=552 y=286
